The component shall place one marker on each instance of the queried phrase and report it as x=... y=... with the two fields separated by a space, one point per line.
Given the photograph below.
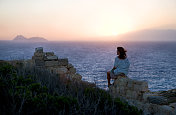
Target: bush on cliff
x=37 y=91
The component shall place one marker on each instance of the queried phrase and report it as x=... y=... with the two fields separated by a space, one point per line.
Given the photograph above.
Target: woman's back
x=122 y=66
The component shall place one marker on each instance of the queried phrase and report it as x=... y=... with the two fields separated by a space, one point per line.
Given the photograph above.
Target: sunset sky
x=83 y=19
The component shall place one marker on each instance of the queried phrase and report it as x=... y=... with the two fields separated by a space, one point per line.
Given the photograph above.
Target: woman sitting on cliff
x=121 y=65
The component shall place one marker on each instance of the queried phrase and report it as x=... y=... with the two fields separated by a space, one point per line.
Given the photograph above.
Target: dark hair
x=122 y=52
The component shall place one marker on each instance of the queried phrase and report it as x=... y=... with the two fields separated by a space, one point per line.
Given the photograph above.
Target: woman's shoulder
x=117 y=58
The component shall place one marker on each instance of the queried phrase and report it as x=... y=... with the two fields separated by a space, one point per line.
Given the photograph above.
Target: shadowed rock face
x=128 y=88
x=49 y=61
x=136 y=93
x=170 y=95
x=160 y=100
x=58 y=66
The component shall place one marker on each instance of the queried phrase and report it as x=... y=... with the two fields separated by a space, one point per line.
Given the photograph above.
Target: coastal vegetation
x=37 y=91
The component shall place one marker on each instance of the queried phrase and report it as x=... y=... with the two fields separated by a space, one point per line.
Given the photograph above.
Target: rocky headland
x=47 y=84
x=133 y=92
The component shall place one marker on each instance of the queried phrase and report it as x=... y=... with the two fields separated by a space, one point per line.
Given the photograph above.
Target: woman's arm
x=115 y=63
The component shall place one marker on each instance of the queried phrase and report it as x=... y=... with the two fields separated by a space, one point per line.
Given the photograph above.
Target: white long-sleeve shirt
x=121 y=65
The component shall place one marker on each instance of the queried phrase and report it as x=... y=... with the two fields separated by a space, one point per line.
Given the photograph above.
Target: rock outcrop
x=49 y=61
x=57 y=66
x=137 y=93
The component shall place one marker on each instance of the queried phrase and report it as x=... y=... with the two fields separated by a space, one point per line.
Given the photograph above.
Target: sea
x=154 y=62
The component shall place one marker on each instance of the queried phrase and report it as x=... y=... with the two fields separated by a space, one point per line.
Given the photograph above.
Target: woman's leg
x=108 y=77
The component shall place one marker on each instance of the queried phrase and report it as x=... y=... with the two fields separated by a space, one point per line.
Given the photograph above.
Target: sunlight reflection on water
x=150 y=61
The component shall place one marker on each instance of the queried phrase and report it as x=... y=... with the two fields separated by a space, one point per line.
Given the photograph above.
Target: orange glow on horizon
x=83 y=20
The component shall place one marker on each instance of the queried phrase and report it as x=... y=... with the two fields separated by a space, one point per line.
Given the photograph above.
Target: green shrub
x=34 y=91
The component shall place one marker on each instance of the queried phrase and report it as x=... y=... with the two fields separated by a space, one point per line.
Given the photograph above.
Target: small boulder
x=69 y=66
x=51 y=63
x=72 y=70
x=39 y=49
x=62 y=70
x=141 y=86
x=63 y=62
x=49 y=53
x=160 y=100
x=38 y=54
x=50 y=58
x=39 y=62
x=76 y=77
x=166 y=110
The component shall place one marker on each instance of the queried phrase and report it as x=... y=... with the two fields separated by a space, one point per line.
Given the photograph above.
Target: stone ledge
x=136 y=93
x=130 y=89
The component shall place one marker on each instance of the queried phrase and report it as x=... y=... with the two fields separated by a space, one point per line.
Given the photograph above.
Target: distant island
x=21 y=38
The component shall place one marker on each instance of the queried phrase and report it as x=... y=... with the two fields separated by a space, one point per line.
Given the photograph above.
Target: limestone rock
x=61 y=70
x=140 y=86
x=49 y=53
x=37 y=58
x=63 y=62
x=39 y=62
x=136 y=93
x=160 y=100
x=148 y=94
x=39 y=49
x=170 y=95
x=69 y=66
x=130 y=85
x=51 y=63
x=165 y=110
x=72 y=70
x=76 y=77
x=51 y=58
x=173 y=105
x=131 y=89
x=54 y=65
x=146 y=110
x=52 y=70
x=39 y=54
x=121 y=82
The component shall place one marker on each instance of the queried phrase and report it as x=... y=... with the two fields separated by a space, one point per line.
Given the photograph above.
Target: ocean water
x=154 y=62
